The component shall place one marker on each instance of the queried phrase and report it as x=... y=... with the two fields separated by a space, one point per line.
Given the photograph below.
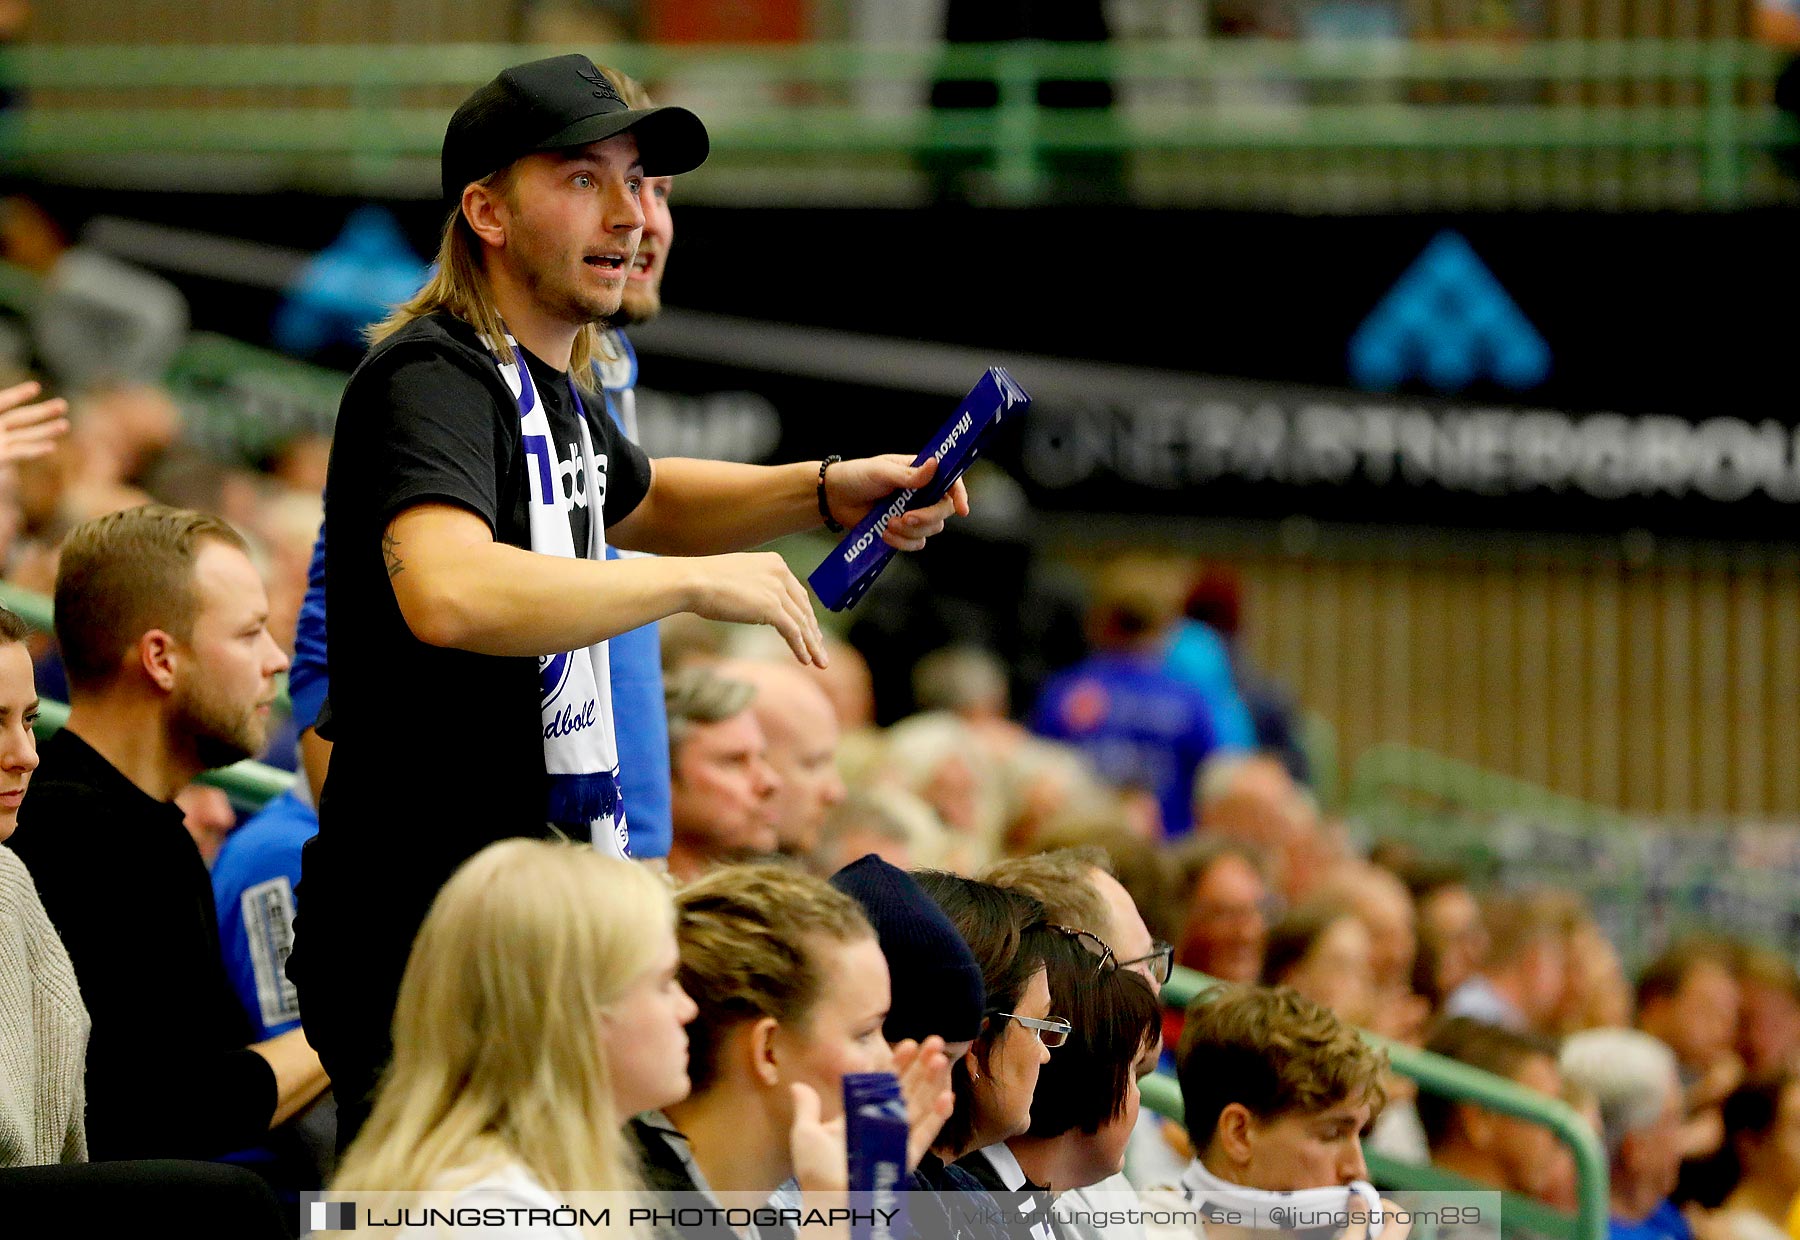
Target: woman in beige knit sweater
x=43 y=1025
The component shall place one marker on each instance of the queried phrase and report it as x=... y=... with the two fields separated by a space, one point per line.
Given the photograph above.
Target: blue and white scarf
x=580 y=754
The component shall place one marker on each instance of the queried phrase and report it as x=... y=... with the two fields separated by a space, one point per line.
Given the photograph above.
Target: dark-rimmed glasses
x=1161 y=961
x=1092 y=942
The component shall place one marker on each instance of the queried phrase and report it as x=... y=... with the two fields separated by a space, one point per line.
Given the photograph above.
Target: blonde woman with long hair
x=540 y=1009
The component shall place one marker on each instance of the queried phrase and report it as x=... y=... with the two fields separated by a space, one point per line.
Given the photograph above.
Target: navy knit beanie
x=937 y=984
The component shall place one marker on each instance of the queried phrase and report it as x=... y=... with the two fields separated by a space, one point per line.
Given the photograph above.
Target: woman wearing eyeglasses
x=996 y=1080
x=1086 y=1100
x=1087 y=1095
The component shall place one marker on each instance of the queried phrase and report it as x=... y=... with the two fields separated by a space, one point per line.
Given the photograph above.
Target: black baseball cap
x=563 y=101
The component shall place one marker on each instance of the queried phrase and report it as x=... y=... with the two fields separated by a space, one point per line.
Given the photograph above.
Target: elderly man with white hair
x=1633 y=1078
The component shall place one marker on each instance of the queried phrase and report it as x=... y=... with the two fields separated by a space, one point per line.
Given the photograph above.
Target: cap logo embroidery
x=603 y=89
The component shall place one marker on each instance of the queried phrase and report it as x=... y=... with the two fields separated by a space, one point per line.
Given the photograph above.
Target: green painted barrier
x=1394 y=776
x=253 y=783
x=1447 y=1078
x=1647 y=881
x=18 y=288
x=370 y=110
x=411 y=66
x=239 y=401
x=245 y=403
x=31 y=607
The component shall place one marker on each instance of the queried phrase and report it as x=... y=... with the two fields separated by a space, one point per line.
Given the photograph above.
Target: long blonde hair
x=459 y=286
x=498 y=1056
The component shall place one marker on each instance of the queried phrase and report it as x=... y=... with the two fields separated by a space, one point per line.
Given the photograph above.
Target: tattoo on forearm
x=390 y=552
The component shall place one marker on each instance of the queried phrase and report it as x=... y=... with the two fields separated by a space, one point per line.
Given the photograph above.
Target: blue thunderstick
x=848 y=572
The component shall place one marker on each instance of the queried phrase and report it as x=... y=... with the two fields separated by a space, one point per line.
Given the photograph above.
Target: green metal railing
x=31 y=607
x=239 y=401
x=1387 y=773
x=362 y=110
x=207 y=369
x=1446 y=1077
x=253 y=783
x=244 y=403
x=1647 y=881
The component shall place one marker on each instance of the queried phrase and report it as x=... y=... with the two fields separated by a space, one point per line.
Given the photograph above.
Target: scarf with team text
x=580 y=753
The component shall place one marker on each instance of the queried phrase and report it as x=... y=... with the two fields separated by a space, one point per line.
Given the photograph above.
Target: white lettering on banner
x=956 y=433
x=1168 y=444
x=897 y=505
x=719 y=426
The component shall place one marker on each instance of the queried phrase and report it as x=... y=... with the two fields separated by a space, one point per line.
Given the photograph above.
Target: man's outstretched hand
x=757 y=587
x=852 y=488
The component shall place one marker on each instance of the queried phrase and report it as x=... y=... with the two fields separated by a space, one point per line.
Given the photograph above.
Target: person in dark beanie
x=937 y=987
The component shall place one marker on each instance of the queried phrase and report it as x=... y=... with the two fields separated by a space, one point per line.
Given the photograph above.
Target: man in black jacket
x=163 y=625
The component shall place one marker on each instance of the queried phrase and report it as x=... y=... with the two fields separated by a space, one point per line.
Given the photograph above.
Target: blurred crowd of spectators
x=100 y=334
x=1163 y=748
x=1266 y=888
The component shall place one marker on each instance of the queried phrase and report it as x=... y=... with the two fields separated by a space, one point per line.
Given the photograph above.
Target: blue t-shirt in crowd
x=1199 y=656
x=1666 y=1222
x=253 y=882
x=640 y=720
x=253 y=887
x=307 y=677
x=1138 y=725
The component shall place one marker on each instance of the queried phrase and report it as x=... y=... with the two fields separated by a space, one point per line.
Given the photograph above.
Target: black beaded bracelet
x=831 y=522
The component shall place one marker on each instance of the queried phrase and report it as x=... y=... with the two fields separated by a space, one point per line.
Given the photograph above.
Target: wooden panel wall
x=1665 y=683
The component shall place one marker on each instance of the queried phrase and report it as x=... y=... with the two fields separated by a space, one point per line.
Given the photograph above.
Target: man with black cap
x=474 y=484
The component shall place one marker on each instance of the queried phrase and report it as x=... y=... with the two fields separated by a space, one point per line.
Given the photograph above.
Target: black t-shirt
x=438 y=752
x=168 y=1075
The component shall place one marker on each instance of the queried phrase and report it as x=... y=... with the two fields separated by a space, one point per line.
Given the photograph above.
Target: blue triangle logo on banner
x=1449 y=322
